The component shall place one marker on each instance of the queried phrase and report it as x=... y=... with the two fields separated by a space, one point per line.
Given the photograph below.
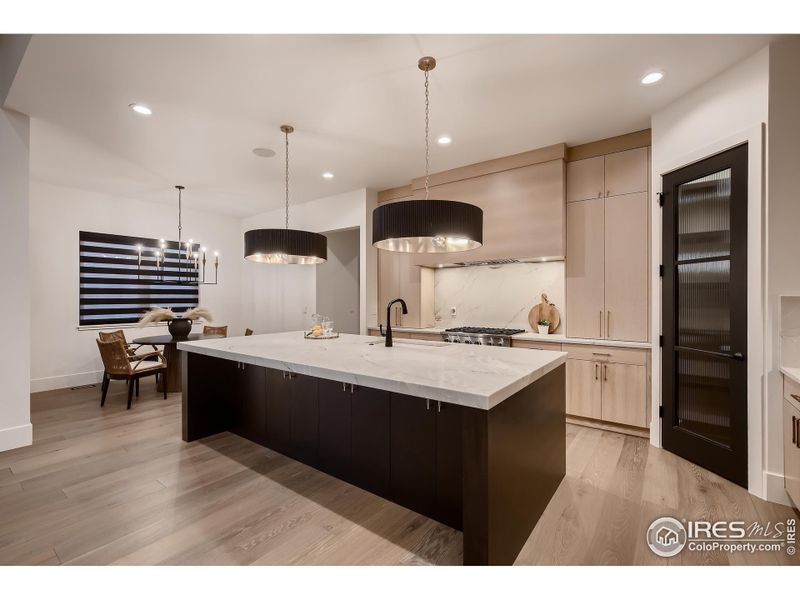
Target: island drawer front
x=791 y=391
x=628 y=356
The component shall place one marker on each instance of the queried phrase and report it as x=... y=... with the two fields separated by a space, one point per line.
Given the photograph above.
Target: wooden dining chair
x=133 y=350
x=248 y=331
x=118 y=365
x=221 y=330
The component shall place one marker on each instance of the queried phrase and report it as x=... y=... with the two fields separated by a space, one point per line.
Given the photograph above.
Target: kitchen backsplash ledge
x=497 y=295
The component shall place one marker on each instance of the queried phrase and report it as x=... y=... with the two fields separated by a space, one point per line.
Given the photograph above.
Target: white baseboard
x=59 y=382
x=16 y=437
x=776 y=492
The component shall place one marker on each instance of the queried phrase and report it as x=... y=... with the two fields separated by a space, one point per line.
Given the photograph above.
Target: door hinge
x=661 y=341
x=660 y=198
x=661 y=411
x=660 y=270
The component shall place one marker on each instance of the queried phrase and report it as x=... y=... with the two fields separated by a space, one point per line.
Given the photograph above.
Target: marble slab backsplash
x=497 y=295
x=790 y=331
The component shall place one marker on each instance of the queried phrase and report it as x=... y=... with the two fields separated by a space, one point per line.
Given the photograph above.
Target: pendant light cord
x=427 y=136
x=286 y=134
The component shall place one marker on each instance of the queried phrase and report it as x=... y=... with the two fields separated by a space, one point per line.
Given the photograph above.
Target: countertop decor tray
x=331 y=336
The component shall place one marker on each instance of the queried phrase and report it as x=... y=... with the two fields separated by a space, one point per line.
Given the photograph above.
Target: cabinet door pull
x=600 y=194
x=344 y=386
x=608 y=323
x=608 y=193
x=438 y=406
x=794 y=430
x=427 y=404
x=601 y=354
x=596 y=368
x=605 y=372
x=601 y=323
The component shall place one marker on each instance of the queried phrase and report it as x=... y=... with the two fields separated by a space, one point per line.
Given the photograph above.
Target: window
x=118 y=287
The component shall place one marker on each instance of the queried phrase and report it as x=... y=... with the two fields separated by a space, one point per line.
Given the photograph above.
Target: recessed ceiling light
x=264 y=152
x=140 y=108
x=652 y=78
x=328 y=175
x=444 y=140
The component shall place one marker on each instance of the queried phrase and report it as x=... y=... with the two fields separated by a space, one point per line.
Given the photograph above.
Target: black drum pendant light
x=285 y=246
x=427 y=225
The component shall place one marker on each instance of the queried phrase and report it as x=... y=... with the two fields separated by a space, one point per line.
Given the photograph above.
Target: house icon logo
x=666 y=536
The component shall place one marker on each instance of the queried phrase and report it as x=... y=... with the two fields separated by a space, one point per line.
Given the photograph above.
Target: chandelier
x=179 y=263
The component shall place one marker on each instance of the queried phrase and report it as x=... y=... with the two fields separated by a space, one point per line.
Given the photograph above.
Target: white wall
x=726 y=110
x=15 y=425
x=62 y=355
x=283 y=297
x=783 y=221
x=337 y=281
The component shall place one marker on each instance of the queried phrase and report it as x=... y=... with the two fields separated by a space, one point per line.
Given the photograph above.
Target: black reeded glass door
x=704 y=325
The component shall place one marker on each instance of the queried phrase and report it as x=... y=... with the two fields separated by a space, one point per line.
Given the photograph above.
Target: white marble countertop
x=555 y=338
x=476 y=376
x=792 y=373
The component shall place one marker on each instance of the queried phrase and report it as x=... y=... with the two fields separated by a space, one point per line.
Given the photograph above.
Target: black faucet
x=388 y=334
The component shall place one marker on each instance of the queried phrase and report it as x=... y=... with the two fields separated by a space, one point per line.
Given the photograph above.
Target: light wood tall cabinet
x=607 y=247
x=399 y=277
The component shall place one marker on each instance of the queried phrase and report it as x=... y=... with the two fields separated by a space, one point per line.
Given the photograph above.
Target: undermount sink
x=404 y=341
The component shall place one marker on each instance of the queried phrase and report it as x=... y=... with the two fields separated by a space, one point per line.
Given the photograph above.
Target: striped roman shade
x=113 y=290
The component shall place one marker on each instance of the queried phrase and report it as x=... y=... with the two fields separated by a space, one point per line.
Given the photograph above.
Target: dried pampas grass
x=156 y=315
x=198 y=313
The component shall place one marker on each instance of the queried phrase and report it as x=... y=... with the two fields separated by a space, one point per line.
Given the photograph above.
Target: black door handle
x=733 y=356
x=794 y=430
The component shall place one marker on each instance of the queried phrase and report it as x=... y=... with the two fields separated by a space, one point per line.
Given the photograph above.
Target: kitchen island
x=473 y=436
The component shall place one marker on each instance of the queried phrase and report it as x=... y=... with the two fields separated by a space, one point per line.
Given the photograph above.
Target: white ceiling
x=356 y=102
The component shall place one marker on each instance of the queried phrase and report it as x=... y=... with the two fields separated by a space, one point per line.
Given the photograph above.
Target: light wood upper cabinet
x=624 y=394
x=585 y=268
x=583 y=388
x=523 y=213
x=791 y=452
x=585 y=179
x=626 y=172
x=626 y=267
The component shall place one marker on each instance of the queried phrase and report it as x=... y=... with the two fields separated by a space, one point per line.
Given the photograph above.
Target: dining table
x=172 y=378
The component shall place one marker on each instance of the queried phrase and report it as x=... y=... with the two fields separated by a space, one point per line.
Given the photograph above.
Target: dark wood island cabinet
x=489 y=473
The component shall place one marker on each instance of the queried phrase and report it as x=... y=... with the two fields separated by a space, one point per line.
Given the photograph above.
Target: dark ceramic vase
x=180 y=328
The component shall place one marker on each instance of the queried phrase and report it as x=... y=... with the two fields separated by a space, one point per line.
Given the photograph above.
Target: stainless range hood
x=500 y=261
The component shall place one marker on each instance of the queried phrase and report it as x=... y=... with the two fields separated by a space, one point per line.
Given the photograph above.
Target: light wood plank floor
x=110 y=486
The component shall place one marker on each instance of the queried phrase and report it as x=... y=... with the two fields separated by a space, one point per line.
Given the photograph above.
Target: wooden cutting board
x=544 y=310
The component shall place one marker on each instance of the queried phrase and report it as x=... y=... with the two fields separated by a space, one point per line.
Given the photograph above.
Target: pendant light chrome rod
x=427 y=64
x=287 y=129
